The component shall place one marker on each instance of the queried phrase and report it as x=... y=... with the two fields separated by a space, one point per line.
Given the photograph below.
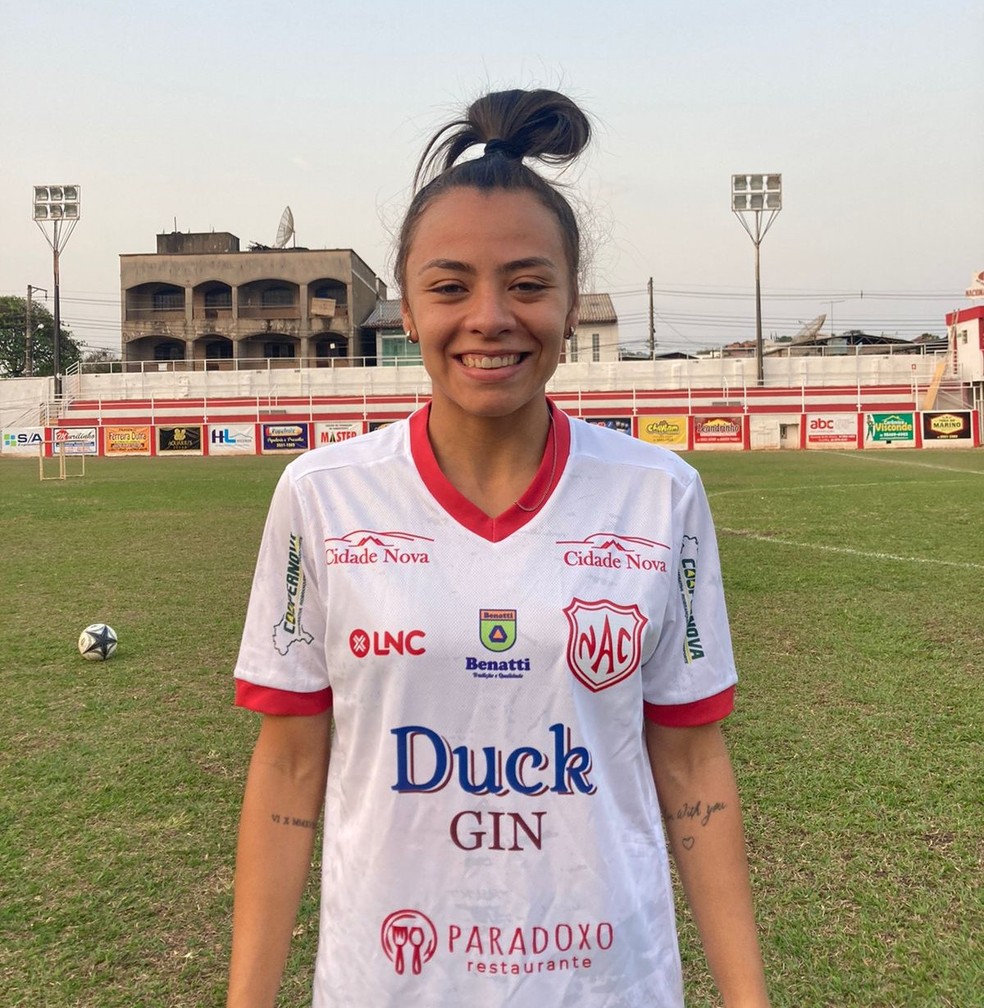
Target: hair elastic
x=503 y=147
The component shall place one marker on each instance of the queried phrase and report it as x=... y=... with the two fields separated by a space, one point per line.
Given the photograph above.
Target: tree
x=100 y=361
x=13 y=349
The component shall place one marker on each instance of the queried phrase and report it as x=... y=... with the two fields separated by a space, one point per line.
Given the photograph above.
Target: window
x=596 y=347
x=218 y=298
x=170 y=351
x=398 y=350
x=277 y=297
x=333 y=291
x=169 y=299
x=218 y=349
x=278 y=350
x=572 y=353
x=331 y=348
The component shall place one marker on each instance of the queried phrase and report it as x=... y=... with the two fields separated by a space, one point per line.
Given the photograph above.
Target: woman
x=514 y=622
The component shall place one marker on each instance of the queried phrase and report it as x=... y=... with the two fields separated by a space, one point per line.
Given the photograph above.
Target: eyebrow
x=456 y=266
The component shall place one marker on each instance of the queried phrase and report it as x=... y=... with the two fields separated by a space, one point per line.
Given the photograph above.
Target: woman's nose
x=490 y=312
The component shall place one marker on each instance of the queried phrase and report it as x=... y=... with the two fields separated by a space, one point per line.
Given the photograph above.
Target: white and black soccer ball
x=97 y=642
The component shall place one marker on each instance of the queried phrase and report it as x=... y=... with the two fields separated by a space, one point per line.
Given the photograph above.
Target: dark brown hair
x=513 y=125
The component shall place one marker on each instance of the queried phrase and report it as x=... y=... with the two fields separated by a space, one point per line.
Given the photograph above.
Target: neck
x=490 y=460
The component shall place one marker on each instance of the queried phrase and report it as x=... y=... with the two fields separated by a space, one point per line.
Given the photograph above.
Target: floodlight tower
x=752 y=198
x=59 y=207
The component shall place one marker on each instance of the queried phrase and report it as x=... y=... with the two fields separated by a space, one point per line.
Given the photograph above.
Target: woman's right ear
x=407 y=320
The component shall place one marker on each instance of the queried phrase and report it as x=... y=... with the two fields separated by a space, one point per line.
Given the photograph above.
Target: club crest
x=604 y=645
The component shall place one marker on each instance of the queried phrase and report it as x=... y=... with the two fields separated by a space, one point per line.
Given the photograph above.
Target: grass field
x=854 y=585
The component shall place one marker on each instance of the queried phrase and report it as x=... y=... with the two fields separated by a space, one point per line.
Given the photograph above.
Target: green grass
x=854 y=590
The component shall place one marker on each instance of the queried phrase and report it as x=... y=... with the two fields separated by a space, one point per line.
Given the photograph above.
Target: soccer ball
x=97 y=642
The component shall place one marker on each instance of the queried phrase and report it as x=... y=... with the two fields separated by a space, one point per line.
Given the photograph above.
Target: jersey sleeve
x=690 y=677
x=281 y=667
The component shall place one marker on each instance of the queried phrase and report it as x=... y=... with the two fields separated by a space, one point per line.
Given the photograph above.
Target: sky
x=217 y=116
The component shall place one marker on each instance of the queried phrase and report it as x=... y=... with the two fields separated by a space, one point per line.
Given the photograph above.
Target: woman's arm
x=699 y=800
x=284 y=792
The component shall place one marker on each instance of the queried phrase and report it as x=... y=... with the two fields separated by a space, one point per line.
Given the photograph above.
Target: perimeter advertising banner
x=890 y=429
x=832 y=430
x=285 y=437
x=127 y=440
x=232 y=439
x=22 y=440
x=953 y=426
x=667 y=431
x=74 y=440
x=184 y=439
x=718 y=430
x=329 y=432
x=622 y=424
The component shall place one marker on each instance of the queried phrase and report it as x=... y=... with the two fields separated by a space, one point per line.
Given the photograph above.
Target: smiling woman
x=496 y=825
x=489 y=298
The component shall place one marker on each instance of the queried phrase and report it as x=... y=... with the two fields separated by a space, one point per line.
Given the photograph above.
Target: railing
x=243 y=364
x=866 y=351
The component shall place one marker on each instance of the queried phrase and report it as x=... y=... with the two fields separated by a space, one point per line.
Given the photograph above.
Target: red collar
x=535 y=496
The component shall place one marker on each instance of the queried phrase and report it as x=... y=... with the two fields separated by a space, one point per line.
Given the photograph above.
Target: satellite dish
x=286 y=230
x=810 y=330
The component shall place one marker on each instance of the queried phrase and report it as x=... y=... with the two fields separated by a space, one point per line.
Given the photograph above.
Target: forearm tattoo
x=694 y=816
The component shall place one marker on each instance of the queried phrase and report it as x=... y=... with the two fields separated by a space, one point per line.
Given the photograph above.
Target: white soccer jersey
x=492 y=834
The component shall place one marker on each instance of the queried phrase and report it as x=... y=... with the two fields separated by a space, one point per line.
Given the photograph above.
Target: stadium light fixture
x=57 y=209
x=756 y=200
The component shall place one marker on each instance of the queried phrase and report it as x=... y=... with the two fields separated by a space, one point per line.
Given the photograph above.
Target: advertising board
x=667 y=431
x=832 y=430
x=186 y=439
x=948 y=426
x=890 y=429
x=231 y=439
x=718 y=430
x=286 y=437
x=328 y=432
x=127 y=440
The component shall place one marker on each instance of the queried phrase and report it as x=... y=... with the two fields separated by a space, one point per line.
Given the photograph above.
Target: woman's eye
x=448 y=288
x=529 y=286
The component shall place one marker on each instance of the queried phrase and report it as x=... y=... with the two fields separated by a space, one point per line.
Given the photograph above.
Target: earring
x=570 y=333
x=410 y=336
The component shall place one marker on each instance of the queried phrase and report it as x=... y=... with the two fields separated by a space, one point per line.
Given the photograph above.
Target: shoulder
x=379 y=446
x=606 y=447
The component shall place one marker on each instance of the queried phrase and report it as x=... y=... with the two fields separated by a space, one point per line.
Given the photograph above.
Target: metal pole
x=759 y=370
x=28 y=342
x=652 y=323
x=56 y=340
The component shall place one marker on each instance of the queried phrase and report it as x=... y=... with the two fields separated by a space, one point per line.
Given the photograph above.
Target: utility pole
x=652 y=323
x=29 y=331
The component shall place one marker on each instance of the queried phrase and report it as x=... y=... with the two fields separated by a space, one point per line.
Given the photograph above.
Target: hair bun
x=540 y=124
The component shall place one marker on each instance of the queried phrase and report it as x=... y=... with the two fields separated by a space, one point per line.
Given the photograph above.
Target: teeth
x=489 y=363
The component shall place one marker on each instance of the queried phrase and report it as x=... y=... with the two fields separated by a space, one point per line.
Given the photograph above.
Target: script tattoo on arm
x=698 y=814
x=288 y=820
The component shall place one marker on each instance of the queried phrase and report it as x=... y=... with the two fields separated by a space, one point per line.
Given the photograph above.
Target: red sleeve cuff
x=689 y=715
x=267 y=700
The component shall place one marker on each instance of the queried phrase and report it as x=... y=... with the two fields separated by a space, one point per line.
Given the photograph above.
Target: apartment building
x=199 y=298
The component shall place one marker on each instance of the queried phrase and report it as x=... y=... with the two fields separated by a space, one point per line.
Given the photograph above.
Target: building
x=596 y=338
x=199 y=298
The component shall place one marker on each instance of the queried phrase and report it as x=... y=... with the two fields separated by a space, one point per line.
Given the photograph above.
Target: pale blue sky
x=219 y=115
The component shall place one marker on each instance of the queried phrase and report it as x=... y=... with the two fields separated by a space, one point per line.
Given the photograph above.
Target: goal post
x=54 y=450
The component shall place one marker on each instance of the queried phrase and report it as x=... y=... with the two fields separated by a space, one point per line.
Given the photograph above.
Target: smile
x=490 y=363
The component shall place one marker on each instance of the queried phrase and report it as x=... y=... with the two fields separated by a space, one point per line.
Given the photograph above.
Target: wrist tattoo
x=288 y=820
